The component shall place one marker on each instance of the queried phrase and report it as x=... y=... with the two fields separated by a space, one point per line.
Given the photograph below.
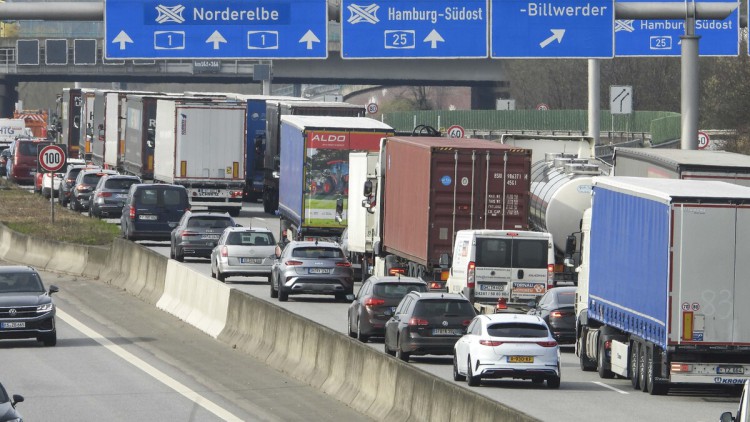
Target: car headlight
x=47 y=307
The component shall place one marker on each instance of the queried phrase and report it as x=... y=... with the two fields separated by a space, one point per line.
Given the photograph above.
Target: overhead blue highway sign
x=552 y=29
x=654 y=38
x=414 y=29
x=195 y=29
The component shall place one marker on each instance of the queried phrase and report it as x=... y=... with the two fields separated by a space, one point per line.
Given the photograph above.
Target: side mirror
x=350 y=297
x=726 y=417
x=445 y=261
x=53 y=289
x=368 y=188
x=570 y=245
x=17 y=398
x=569 y=262
x=531 y=304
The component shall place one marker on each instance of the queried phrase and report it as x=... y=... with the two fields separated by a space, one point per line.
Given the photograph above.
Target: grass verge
x=30 y=214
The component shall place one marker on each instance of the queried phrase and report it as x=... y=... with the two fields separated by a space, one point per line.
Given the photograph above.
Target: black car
x=152 y=211
x=8 y=410
x=26 y=308
x=68 y=183
x=556 y=307
x=427 y=324
x=110 y=194
x=375 y=303
x=197 y=233
x=80 y=196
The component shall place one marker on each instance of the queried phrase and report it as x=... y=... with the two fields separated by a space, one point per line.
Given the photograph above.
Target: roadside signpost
x=642 y=38
x=213 y=29
x=552 y=29
x=620 y=99
x=372 y=108
x=52 y=159
x=414 y=29
x=703 y=140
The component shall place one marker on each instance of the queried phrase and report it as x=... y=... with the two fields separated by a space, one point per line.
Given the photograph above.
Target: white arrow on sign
x=433 y=37
x=309 y=38
x=557 y=34
x=216 y=38
x=122 y=38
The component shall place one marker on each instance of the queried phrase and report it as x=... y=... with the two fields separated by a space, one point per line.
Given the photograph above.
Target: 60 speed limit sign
x=52 y=158
x=456 y=131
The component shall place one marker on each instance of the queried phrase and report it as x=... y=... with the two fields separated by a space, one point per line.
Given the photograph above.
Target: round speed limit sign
x=456 y=131
x=703 y=140
x=52 y=158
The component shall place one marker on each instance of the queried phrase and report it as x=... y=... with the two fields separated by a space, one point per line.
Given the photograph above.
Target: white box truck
x=200 y=144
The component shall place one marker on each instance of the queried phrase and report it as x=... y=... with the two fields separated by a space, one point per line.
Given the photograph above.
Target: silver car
x=311 y=267
x=243 y=251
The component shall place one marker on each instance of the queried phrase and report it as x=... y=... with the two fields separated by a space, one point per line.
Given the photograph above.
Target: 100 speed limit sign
x=52 y=158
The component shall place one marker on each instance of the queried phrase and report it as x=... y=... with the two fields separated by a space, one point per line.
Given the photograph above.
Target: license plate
x=251 y=260
x=147 y=217
x=208 y=192
x=13 y=325
x=445 y=332
x=210 y=236
x=492 y=287
x=320 y=270
x=521 y=359
x=121 y=195
x=730 y=370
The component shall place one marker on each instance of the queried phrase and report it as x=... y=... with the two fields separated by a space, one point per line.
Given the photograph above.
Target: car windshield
x=501 y=252
x=395 y=291
x=73 y=173
x=250 y=239
x=517 y=329
x=434 y=308
x=30 y=148
x=20 y=282
x=118 y=184
x=91 y=178
x=317 y=252
x=205 y=222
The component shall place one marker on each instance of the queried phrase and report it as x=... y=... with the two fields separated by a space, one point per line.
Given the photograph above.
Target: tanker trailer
x=560 y=193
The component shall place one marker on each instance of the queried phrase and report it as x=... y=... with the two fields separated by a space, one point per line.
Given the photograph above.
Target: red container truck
x=427 y=189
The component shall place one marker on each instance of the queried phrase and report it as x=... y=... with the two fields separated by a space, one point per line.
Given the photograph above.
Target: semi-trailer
x=662 y=286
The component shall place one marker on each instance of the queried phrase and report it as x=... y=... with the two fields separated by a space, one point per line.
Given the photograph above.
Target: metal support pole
x=690 y=86
x=594 y=100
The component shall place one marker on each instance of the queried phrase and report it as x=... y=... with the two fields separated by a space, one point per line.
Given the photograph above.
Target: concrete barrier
x=96 y=261
x=195 y=298
x=135 y=269
x=373 y=383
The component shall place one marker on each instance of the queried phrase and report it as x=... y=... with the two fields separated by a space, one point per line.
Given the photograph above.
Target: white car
x=243 y=251
x=516 y=346
x=51 y=181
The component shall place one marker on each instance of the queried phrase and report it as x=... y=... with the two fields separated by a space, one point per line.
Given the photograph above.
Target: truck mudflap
x=709 y=373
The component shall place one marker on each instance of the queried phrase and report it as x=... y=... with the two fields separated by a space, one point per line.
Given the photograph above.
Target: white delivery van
x=488 y=265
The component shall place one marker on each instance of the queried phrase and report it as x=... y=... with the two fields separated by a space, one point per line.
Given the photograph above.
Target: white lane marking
x=148 y=369
x=259 y=219
x=610 y=387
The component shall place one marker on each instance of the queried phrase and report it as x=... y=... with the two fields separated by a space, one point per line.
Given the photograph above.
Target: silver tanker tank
x=560 y=193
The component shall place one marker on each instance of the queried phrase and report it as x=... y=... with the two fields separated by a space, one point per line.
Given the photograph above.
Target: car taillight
x=435 y=285
x=470 y=273
x=131 y=213
x=224 y=251
x=235 y=194
x=370 y=302
x=550 y=274
x=608 y=344
x=187 y=233
x=344 y=264
x=396 y=271
x=502 y=303
x=466 y=323
x=418 y=321
x=492 y=343
x=556 y=314
x=81 y=187
x=547 y=343
x=290 y=263
x=103 y=194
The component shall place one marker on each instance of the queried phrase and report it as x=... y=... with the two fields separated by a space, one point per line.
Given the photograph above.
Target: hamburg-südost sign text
x=142 y=29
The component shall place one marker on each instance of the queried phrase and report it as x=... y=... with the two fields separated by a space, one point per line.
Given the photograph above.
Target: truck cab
x=513 y=266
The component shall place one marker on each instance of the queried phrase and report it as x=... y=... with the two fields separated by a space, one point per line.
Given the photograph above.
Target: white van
x=491 y=264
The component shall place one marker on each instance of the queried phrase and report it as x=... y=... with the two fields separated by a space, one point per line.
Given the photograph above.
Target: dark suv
x=197 y=234
x=68 y=183
x=427 y=324
x=26 y=309
x=110 y=195
x=375 y=303
x=152 y=211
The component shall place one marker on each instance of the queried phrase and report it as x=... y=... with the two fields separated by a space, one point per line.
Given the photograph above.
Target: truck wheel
x=635 y=357
x=642 y=367
x=586 y=363
x=654 y=388
x=600 y=366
